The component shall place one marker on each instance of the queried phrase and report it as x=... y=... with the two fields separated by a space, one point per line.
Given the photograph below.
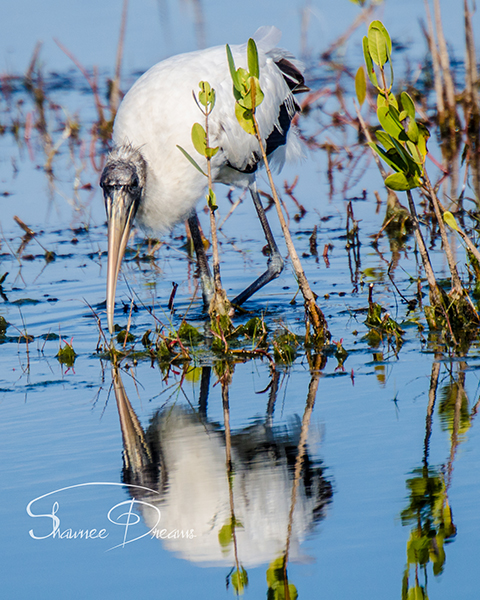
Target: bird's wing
x=158 y=113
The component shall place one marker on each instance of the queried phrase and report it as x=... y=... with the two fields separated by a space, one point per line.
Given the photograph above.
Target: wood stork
x=147 y=179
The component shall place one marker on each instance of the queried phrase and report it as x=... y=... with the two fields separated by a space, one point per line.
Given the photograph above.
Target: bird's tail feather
x=267 y=37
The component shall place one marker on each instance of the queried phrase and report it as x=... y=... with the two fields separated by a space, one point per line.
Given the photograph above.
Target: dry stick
x=457 y=286
x=473 y=118
x=435 y=294
x=427 y=265
x=436 y=298
x=115 y=91
x=33 y=62
x=455 y=441
x=217 y=281
x=361 y=18
x=437 y=72
x=445 y=62
x=449 y=115
x=92 y=83
x=221 y=304
x=471 y=246
x=456 y=283
x=432 y=396
x=225 y=382
x=314 y=313
x=199 y=23
x=366 y=133
x=470 y=59
x=312 y=393
x=230 y=212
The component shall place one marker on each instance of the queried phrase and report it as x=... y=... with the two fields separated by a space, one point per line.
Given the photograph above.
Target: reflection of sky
x=157 y=28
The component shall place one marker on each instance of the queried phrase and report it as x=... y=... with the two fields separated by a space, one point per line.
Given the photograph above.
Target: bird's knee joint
x=275 y=264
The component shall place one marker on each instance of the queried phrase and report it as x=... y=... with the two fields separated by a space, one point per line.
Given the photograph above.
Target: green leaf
x=416 y=153
x=212 y=200
x=245 y=118
x=253 y=97
x=382 y=100
x=391 y=157
x=361 y=85
x=204 y=92
x=192 y=160
x=210 y=152
x=379 y=43
x=423 y=137
x=450 y=220
x=408 y=104
x=384 y=139
x=388 y=118
x=233 y=71
x=369 y=63
x=206 y=95
x=243 y=76
x=412 y=168
x=199 y=138
x=389 y=58
x=412 y=131
x=399 y=182
x=252 y=56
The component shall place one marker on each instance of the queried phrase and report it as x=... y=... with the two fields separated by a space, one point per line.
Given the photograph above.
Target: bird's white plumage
x=158 y=112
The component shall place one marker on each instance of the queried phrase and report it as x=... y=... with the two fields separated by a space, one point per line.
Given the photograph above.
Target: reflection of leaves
x=425 y=489
x=380 y=324
x=285 y=347
x=431 y=516
x=417 y=592
x=3 y=325
x=66 y=355
x=239 y=580
x=278 y=582
x=418 y=547
x=449 y=395
x=225 y=535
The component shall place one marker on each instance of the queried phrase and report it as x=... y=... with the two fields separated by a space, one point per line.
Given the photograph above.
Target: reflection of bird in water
x=182 y=456
x=148 y=179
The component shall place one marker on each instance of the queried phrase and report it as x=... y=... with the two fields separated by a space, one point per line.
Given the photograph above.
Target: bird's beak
x=121 y=209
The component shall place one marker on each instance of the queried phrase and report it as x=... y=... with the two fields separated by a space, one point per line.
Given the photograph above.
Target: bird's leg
x=206 y=280
x=204 y=389
x=275 y=260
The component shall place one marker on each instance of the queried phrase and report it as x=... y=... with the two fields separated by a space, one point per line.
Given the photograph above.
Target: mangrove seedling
x=402 y=145
x=248 y=95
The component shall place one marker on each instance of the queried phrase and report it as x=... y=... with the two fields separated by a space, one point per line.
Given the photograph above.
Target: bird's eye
x=134 y=184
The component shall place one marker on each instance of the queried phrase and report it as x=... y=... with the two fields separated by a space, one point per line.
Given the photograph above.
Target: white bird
x=147 y=179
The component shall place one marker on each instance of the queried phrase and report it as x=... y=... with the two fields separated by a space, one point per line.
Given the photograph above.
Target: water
x=65 y=427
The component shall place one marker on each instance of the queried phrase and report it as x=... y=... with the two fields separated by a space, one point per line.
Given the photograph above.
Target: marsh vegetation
x=386 y=341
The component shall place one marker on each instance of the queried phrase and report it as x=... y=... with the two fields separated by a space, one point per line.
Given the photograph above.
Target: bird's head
x=123 y=183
